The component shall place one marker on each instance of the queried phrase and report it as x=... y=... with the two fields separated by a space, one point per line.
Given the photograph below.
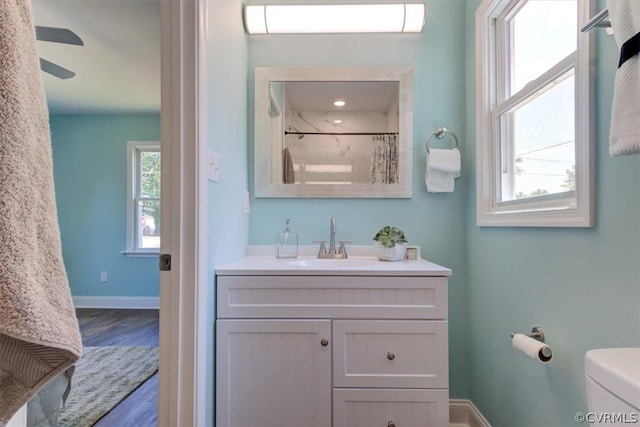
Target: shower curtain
x=39 y=334
x=384 y=159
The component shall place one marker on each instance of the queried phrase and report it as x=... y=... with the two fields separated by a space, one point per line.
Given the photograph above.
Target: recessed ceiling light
x=337 y=121
x=339 y=103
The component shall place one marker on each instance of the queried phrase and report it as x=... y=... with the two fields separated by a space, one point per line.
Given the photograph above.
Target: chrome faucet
x=332 y=239
x=341 y=253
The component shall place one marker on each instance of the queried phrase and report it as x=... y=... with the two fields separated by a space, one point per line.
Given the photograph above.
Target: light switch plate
x=247 y=202
x=213 y=171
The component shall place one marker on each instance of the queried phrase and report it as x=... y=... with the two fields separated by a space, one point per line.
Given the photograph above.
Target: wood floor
x=107 y=327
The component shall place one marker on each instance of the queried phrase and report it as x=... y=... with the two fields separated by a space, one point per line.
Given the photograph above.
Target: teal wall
x=580 y=285
x=90 y=175
x=436 y=222
x=226 y=99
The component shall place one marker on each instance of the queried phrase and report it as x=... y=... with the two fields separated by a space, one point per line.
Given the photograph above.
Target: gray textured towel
x=288 y=174
x=39 y=334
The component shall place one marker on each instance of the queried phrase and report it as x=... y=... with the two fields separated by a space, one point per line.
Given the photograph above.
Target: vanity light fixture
x=334 y=18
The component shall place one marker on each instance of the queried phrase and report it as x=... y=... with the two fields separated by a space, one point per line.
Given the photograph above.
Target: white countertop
x=355 y=265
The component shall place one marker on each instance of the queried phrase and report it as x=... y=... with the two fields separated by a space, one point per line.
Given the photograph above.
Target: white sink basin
x=333 y=263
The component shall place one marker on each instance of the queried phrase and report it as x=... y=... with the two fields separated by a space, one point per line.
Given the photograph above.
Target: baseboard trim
x=80 y=301
x=464 y=412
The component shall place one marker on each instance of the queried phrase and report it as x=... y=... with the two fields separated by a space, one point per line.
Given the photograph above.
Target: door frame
x=183 y=289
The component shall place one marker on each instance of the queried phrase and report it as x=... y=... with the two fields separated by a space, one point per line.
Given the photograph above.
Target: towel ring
x=439 y=133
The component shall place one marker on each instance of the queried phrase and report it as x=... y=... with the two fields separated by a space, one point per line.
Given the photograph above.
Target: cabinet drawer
x=401 y=354
x=353 y=297
x=390 y=407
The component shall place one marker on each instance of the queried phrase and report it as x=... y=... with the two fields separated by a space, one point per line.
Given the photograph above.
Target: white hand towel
x=439 y=182
x=443 y=166
x=624 y=135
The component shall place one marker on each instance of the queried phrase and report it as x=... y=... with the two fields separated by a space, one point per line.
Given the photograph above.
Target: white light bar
x=335 y=18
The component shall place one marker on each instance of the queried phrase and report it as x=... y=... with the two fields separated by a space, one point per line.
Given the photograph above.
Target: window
x=534 y=114
x=143 y=206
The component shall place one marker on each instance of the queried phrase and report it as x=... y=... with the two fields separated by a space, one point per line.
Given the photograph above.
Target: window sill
x=141 y=254
x=555 y=218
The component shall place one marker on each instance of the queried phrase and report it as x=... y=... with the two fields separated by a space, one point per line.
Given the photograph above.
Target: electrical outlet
x=103 y=276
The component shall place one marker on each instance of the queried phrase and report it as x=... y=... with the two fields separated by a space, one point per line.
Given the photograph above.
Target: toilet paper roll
x=533 y=348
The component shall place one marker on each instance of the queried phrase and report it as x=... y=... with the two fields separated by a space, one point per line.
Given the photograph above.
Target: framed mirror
x=333 y=132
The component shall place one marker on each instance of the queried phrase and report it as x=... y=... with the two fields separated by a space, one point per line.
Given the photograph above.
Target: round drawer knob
x=391 y=356
x=324 y=342
x=391 y=424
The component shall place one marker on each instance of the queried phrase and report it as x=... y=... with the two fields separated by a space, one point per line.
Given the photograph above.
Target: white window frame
x=133 y=147
x=570 y=209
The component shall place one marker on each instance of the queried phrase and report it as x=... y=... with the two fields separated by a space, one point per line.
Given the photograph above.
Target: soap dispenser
x=287 y=242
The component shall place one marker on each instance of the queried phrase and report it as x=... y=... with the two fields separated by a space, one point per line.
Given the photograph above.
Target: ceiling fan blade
x=58 y=35
x=55 y=70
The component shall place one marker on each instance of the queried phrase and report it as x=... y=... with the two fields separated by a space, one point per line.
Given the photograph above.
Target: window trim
x=132 y=185
x=534 y=211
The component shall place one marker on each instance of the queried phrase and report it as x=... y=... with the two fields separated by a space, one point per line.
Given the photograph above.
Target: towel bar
x=439 y=133
x=597 y=21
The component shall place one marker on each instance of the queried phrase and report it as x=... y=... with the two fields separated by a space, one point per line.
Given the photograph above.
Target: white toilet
x=613 y=385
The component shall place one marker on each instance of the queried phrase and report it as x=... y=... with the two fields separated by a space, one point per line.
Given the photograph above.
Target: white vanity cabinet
x=306 y=348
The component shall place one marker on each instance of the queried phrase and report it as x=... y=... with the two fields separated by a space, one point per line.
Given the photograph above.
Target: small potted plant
x=390 y=243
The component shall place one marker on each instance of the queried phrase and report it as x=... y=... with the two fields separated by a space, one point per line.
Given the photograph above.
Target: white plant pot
x=395 y=253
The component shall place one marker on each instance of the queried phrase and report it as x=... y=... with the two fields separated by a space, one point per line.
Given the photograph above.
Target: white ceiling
x=117 y=69
x=359 y=96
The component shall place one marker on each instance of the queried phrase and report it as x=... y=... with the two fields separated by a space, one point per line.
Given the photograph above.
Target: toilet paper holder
x=536 y=333
x=540 y=352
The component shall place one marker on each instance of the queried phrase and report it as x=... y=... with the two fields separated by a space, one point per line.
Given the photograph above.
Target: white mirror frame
x=263 y=185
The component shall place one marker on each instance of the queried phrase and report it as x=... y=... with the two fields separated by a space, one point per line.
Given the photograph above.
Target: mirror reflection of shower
x=307 y=145
x=337 y=141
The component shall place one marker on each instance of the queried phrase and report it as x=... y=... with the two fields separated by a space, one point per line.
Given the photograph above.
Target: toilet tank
x=613 y=381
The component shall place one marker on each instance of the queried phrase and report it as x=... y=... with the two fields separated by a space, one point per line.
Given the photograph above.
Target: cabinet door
x=273 y=373
x=390 y=408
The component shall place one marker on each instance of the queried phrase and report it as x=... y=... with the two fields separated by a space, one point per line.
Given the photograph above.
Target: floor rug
x=104 y=376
